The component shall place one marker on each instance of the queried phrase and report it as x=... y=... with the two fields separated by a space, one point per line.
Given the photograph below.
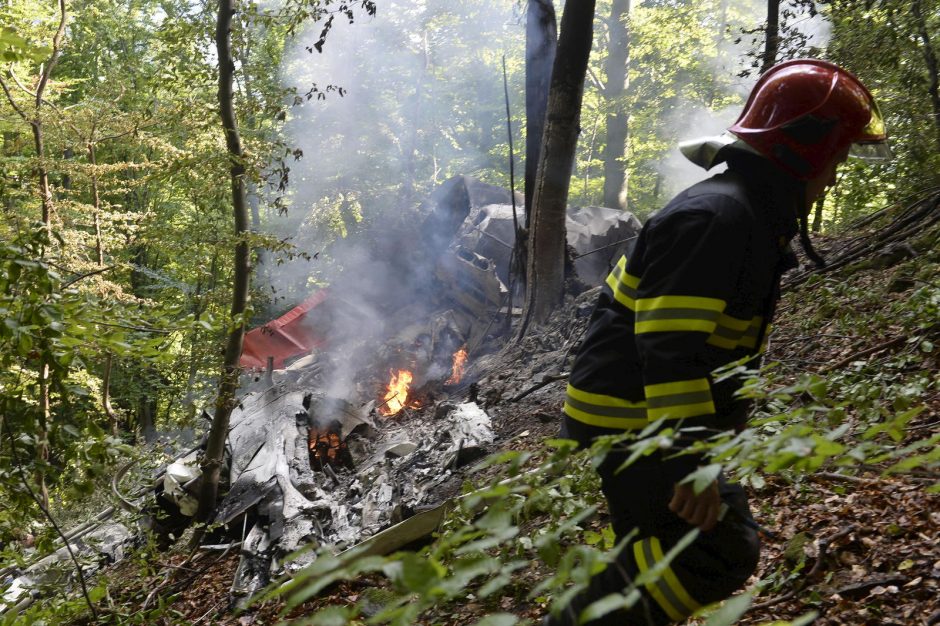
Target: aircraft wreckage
x=343 y=436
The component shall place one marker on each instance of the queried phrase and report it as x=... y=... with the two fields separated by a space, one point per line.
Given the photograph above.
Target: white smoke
x=813 y=23
x=692 y=122
x=419 y=73
x=736 y=54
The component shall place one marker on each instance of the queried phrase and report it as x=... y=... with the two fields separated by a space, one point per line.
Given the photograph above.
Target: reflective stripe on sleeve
x=678 y=313
x=678 y=400
x=623 y=285
x=728 y=332
x=750 y=335
x=667 y=590
x=595 y=409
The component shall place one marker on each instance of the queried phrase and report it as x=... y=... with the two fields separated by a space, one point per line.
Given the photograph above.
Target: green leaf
x=97 y=593
x=702 y=477
x=550 y=553
x=415 y=573
x=602 y=607
x=731 y=610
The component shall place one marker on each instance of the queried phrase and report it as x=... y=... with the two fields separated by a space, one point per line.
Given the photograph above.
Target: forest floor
x=857 y=547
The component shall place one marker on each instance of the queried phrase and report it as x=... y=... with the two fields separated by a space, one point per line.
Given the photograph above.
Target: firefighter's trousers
x=713 y=567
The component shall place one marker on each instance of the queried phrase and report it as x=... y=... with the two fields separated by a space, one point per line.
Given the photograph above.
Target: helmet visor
x=872 y=151
x=872 y=143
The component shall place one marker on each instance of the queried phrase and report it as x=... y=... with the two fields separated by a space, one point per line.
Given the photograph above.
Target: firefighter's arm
x=691 y=264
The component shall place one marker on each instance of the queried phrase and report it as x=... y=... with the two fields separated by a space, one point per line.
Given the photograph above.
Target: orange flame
x=460 y=363
x=326 y=442
x=397 y=393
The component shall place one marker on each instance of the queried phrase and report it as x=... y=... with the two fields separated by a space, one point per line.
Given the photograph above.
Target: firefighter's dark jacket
x=697 y=292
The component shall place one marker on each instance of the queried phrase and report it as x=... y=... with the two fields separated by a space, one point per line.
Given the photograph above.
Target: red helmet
x=803 y=113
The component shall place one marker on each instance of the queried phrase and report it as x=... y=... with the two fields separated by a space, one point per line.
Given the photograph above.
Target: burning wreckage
x=335 y=442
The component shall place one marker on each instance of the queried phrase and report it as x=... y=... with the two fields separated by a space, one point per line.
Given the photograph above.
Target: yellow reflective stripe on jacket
x=730 y=331
x=667 y=590
x=750 y=335
x=680 y=399
x=677 y=313
x=597 y=409
x=623 y=285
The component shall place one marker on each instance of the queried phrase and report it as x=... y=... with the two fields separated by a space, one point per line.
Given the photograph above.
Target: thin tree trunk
x=930 y=58
x=410 y=153
x=45 y=194
x=147 y=418
x=719 y=39
x=618 y=60
x=772 y=35
x=42 y=174
x=590 y=157
x=45 y=414
x=96 y=201
x=106 y=395
x=228 y=385
x=545 y=273
x=540 y=42
x=818 y=214
x=189 y=397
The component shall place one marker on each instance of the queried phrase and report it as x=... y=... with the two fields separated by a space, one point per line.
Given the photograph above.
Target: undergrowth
x=862 y=408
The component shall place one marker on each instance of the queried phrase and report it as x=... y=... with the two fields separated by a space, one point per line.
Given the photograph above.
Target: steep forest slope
x=841 y=462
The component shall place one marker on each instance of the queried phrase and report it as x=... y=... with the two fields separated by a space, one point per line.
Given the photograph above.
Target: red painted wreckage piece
x=290 y=335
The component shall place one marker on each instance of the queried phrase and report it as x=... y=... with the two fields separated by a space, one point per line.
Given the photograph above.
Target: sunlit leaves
x=15 y=48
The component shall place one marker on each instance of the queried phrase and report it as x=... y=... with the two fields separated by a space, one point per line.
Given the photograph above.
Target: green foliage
x=48 y=324
x=880 y=42
x=15 y=48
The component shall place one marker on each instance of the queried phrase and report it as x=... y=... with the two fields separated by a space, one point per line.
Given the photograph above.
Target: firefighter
x=697 y=292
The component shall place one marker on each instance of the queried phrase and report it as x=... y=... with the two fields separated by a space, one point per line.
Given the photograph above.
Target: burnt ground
x=857 y=547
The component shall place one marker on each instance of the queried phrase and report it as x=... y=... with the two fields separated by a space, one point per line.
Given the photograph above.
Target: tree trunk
x=228 y=385
x=147 y=418
x=590 y=158
x=618 y=60
x=106 y=394
x=546 y=256
x=410 y=150
x=45 y=414
x=930 y=58
x=96 y=202
x=818 y=214
x=772 y=36
x=42 y=174
x=540 y=40
x=45 y=194
x=719 y=40
x=35 y=122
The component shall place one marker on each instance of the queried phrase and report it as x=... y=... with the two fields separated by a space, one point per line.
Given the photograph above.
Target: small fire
x=397 y=393
x=328 y=450
x=460 y=363
x=325 y=446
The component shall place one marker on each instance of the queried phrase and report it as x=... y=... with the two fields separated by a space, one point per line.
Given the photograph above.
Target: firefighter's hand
x=699 y=510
